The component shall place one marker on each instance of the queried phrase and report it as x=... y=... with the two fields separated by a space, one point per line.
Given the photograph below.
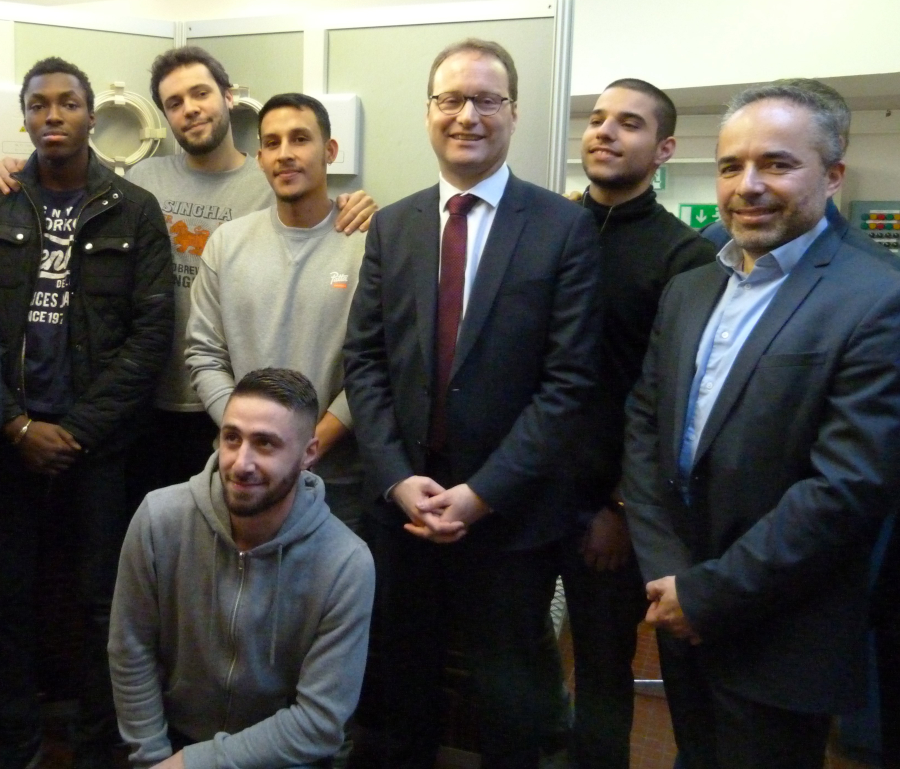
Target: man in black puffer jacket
x=85 y=325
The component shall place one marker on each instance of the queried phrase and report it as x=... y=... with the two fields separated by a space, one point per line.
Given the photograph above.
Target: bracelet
x=21 y=434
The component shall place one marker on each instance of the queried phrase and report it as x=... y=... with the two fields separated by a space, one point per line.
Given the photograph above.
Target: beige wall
x=268 y=64
x=104 y=56
x=708 y=42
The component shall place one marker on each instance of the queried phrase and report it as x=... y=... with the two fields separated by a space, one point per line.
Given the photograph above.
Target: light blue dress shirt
x=745 y=299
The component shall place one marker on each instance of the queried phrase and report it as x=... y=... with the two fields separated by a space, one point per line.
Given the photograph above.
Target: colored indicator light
x=879 y=226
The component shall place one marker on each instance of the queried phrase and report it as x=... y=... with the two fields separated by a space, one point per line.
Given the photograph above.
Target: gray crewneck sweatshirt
x=271 y=295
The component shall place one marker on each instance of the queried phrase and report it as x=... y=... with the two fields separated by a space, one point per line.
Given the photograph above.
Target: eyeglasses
x=452 y=102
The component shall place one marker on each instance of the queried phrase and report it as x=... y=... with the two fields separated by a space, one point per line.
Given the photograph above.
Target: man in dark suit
x=885 y=622
x=467 y=362
x=761 y=452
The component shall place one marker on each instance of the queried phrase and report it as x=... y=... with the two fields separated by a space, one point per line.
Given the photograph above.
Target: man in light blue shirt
x=761 y=450
x=746 y=297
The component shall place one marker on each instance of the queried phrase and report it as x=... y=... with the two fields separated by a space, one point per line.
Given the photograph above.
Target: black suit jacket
x=524 y=362
x=796 y=467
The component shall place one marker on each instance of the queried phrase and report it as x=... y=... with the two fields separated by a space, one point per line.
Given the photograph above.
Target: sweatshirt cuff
x=216 y=408
x=341 y=410
x=200 y=755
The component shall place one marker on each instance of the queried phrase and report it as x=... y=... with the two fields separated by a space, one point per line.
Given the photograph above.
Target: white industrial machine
x=244 y=118
x=128 y=127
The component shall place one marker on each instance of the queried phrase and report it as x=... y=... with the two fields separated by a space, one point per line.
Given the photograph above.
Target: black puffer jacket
x=121 y=318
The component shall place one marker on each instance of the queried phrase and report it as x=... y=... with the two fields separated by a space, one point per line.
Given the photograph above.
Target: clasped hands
x=435 y=513
x=45 y=448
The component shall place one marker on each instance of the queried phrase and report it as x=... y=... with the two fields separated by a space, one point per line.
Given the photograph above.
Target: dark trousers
x=717 y=729
x=500 y=602
x=85 y=507
x=604 y=611
x=886 y=622
x=345 y=500
x=172 y=447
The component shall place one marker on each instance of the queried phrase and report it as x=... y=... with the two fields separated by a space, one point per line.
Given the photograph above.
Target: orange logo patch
x=186 y=241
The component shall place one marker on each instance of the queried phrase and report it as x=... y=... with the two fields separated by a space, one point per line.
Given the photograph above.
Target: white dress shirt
x=479 y=220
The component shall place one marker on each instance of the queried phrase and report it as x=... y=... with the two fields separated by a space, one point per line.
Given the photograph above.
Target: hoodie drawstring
x=213 y=613
x=277 y=604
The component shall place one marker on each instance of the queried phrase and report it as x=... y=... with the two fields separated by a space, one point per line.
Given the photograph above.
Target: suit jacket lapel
x=701 y=303
x=498 y=250
x=424 y=247
x=790 y=296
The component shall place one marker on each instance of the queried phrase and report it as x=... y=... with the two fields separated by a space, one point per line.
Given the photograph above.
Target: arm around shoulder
x=206 y=355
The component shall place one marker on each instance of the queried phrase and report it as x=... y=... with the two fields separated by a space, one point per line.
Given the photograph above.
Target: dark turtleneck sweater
x=642 y=246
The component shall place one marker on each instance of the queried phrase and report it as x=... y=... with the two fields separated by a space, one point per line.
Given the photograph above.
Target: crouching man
x=241 y=612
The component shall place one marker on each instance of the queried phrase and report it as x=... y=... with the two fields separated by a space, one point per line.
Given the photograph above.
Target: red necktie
x=449 y=311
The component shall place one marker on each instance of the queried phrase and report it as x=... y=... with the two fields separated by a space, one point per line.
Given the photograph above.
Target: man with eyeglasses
x=471 y=348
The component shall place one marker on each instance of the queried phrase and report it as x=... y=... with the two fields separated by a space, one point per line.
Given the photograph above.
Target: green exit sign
x=659 y=179
x=698 y=215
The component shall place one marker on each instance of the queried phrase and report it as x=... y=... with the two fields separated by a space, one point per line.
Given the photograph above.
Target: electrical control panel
x=879 y=219
x=345 y=113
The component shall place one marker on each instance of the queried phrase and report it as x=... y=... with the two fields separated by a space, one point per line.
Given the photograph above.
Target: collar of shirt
x=743 y=302
x=777 y=263
x=480 y=219
x=490 y=190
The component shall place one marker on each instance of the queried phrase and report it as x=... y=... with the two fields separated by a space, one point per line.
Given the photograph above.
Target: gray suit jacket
x=795 y=470
x=524 y=364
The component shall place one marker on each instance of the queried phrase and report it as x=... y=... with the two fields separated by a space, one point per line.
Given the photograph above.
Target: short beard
x=294 y=197
x=762 y=241
x=199 y=149
x=621 y=182
x=271 y=498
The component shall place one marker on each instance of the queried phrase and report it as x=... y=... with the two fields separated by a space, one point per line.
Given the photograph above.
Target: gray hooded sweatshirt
x=256 y=655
